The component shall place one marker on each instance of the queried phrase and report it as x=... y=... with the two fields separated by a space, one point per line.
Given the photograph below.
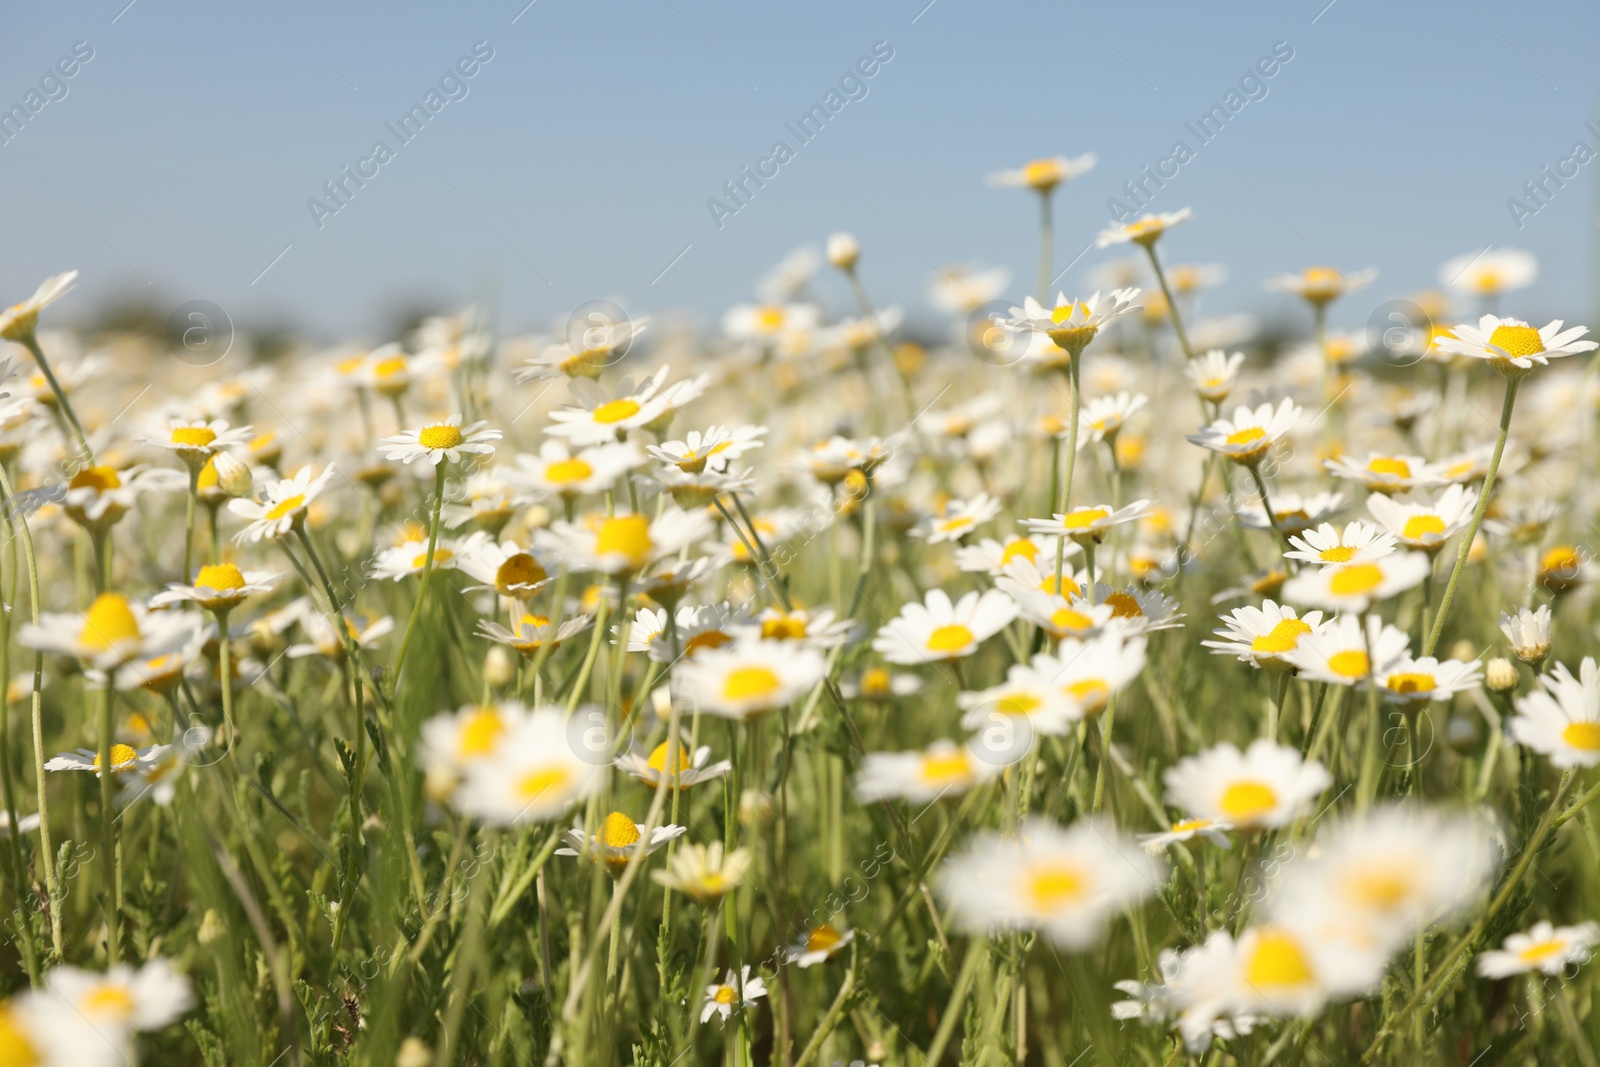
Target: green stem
x=1172 y=305
x=32 y=344
x=427 y=573
x=108 y=826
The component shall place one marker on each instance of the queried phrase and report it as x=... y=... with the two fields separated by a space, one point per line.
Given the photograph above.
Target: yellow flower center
x=109 y=1000
x=1337 y=554
x=1283 y=637
x=1247 y=801
x=1355 y=579
x=1583 y=735
x=1062 y=313
x=1124 y=606
x=1391 y=465
x=535 y=784
x=480 y=732
x=1184 y=826
x=208 y=475
x=1381 y=888
x=1065 y=620
x=1042 y=173
x=520 y=569
x=1091 y=693
x=1541 y=951
x=1021 y=548
x=823 y=939
x=1560 y=558
x=1418 y=527
x=1056 y=886
x=1085 y=518
x=784 y=628
x=770 y=318
x=950 y=638
x=1277 y=962
x=725 y=994
x=108 y=622
x=1351 y=663
x=97 y=478
x=220 y=576
x=1060 y=584
x=1517 y=340
x=875 y=682
x=1017 y=704
x=946 y=767
x=616 y=411
x=388 y=368
x=625 y=535
x=619 y=831
x=1410 y=682
x=705 y=639
x=122 y=757
x=437 y=437
x=16 y=1047
x=567 y=471
x=287 y=506
x=750 y=683
x=193 y=436
x=658 y=758
x=1246 y=435
x=441 y=555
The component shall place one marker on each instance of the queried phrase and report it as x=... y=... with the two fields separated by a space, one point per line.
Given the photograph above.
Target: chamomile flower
x=712 y=450
x=623 y=543
x=938 y=629
x=1043 y=175
x=1491 y=272
x=960 y=518
x=1380 y=875
x=1067 y=882
x=1512 y=347
x=97 y=497
x=1264 y=636
x=1561 y=719
x=617 y=841
x=1291 y=512
x=437 y=442
x=751 y=677
x=1249 y=434
x=1528 y=633
x=1270 y=970
x=218 y=587
x=700 y=627
x=1267 y=785
x=1087 y=524
x=735 y=993
x=1322 y=285
x=1545 y=948
x=879 y=684
x=1105 y=416
x=1072 y=324
x=601 y=344
x=1145 y=230
x=125 y=759
x=766 y=323
x=821 y=943
x=1386 y=473
x=534 y=775
x=122 y=999
x=325 y=640
x=1063 y=616
x=1423 y=524
x=19 y=321
x=1139 y=611
x=1214 y=831
x=532 y=632
x=964 y=289
x=410 y=557
x=1088 y=673
x=693 y=765
x=558 y=471
x=506 y=567
x=454 y=740
x=1031 y=691
x=818 y=629
x=196 y=440
x=704 y=873
x=1213 y=373
x=281 y=506
x=1337 y=651
x=1356 y=586
x=1328 y=546
x=1412 y=683
x=113 y=632
x=944 y=768
x=992 y=557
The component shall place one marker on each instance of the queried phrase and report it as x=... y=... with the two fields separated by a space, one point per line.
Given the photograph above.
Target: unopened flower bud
x=413 y=1053
x=498 y=669
x=211 y=928
x=233 y=475
x=843 y=251
x=1500 y=675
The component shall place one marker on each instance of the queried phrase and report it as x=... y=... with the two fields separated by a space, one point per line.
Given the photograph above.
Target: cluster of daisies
x=984 y=581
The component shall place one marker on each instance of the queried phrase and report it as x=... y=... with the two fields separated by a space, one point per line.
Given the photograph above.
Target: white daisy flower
x=601 y=344
x=121 y=999
x=1023 y=576
x=1213 y=830
x=1412 y=683
x=1490 y=272
x=703 y=873
x=437 y=442
x=558 y=471
x=751 y=677
x=1213 y=373
x=944 y=768
x=1511 y=346
x=532 y=632
x=111 y=633
x=1561 y=720
x=960 y=518
x=818 y=629
x=1545 y=948
x=1338 y=652
x=534 y=775
x=453 y=740
x=1031 y=691
x=1327 y=546
x=1068 y=882
x=1087 y=523
x=821 y=943
x=98 y=497
x=617 y=841
x=1264 y=636
x=991 y=557
x=1139 y=611
x=879 y=684
x=1291 y=512
x=1062 y=617
x=19 y=321
x=736 y=992
x=693 y=765
x=766 y=322
x=1355 y=587
x=1043 y=175
x=281 y=505
x=1384 y=473
x=325 y=640
x=1271 y=970
x=1528 y=633
x=1105 y=416
x=218 y=587
x=1090 y=672
x=1267 y=785
x=623 y=543
x=197 y=440
x=410 y=558
x=125 y=759
x=1423 y=524
x=1249 y=434
x=711 y=450
x=1320 y=285
x=1070 y=324
x=1145 y=230
x=700 y=626
x=505 y=567
x=963 y=289
x=937 y=629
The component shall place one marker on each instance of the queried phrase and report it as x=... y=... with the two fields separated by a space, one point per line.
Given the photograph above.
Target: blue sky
x=578 y=165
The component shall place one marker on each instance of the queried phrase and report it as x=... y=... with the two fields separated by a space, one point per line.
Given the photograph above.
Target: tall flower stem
x=31 y=342
x=1047 y=237
x=46 y=854
x=427 y=571
x=188 y=520
x=1471 y=532
x=108 y=826
x=1266 y=505
x=1172 y=305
